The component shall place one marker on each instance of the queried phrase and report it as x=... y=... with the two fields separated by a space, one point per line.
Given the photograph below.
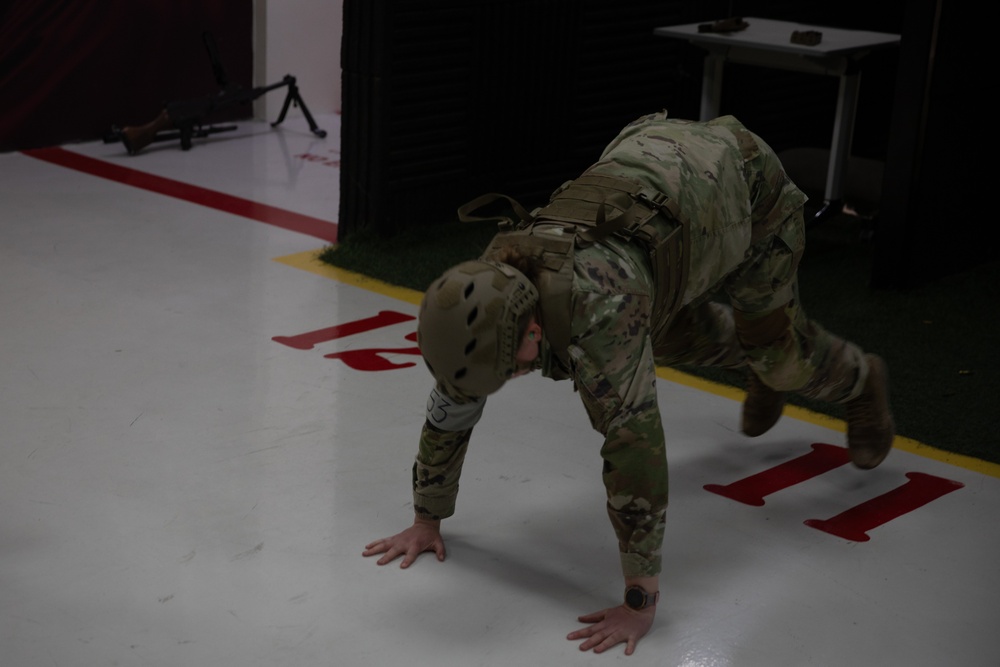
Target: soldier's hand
x=423 y=535
x=613 y=626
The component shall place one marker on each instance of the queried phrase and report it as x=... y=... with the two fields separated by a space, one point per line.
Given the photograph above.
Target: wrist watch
x=637 y=598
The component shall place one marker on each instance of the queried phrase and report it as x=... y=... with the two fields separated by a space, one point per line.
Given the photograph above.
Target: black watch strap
x=637 y=598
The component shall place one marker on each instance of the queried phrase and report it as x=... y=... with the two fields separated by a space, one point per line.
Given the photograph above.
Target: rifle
x=185 y=117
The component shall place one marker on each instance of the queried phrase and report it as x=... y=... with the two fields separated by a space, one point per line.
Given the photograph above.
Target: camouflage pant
x=765 y=328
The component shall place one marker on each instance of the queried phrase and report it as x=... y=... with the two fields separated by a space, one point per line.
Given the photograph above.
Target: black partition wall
x=446 y=99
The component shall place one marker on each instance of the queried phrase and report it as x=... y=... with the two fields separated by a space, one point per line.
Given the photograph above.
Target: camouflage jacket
x=709 y=169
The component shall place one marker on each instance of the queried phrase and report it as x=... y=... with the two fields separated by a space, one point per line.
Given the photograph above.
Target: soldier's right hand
x=423 y=535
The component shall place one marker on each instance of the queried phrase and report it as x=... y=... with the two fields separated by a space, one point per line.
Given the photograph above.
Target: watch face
x=635 y=598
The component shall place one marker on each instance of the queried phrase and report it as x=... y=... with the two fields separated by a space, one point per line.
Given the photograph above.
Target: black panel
x=444 y=100
x=936 y=220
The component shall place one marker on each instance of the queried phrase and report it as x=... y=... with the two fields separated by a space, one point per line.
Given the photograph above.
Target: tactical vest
x=589 y=209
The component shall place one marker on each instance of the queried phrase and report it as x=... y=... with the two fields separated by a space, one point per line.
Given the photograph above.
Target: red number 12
x=367 y=359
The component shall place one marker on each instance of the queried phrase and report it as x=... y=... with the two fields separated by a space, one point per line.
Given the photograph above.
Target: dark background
x=446 y=99
x=70 y=69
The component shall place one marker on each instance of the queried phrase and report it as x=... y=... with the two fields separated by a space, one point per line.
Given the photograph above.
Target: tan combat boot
x=870 y=428
x=761 y=408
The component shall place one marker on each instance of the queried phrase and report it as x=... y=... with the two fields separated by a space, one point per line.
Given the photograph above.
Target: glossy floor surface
x=195 y=451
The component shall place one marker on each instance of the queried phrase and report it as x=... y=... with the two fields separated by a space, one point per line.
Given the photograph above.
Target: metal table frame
x=767 y=43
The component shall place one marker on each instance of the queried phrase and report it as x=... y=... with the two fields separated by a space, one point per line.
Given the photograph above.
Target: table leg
x=840 y=148
x=711 y=85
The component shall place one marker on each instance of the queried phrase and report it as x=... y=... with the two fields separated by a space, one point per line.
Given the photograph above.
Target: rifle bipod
x=294 y=97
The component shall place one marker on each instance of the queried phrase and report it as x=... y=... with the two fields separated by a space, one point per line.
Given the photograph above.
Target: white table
x=767 y=43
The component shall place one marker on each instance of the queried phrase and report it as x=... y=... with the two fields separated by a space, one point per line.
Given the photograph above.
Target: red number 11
x=854 y=523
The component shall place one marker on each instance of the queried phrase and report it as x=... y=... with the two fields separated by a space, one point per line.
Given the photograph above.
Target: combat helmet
x=468 y=329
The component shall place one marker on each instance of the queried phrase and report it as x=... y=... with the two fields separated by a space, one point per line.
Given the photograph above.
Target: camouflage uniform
x=746 y=239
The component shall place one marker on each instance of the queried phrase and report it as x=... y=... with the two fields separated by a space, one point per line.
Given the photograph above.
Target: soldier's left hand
x=613 y=626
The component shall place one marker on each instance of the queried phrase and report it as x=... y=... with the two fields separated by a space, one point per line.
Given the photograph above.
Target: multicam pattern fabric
x=747 y=237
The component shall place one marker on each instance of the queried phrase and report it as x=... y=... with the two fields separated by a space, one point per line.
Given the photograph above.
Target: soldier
x=615 y=275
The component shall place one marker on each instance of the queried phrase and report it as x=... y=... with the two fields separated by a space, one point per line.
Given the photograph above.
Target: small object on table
x=734 y=24
x=807 y=37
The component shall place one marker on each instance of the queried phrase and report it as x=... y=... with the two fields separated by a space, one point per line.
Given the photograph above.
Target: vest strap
x=589 y=209
x=600 y=205
x=482 y=201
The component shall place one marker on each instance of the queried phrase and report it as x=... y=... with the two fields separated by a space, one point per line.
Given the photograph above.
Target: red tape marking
x=303 y=224
x=371 y=359
x=854 y=524
x=306 y=341
x=751 y=490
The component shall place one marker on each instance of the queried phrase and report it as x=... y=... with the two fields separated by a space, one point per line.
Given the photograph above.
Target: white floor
x=179 y=489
